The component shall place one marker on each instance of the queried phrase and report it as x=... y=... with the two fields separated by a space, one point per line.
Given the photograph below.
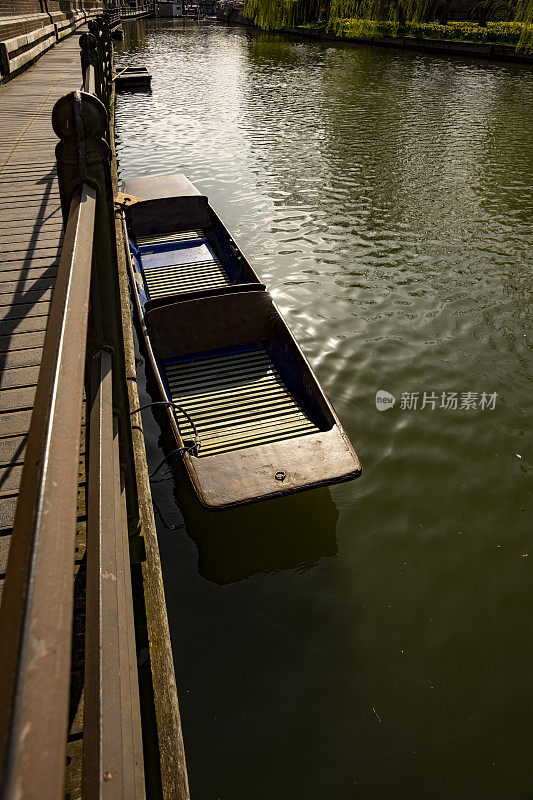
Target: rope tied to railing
x=176 y=407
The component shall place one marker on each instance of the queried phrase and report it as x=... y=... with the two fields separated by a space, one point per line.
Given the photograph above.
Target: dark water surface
x=371 y=641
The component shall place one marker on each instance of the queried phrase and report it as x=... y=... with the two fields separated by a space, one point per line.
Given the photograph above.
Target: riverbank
x=232 y=11
x=486 y=50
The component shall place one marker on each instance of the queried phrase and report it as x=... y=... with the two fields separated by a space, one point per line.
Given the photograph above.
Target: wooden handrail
x=36 y=609
x=36 y=613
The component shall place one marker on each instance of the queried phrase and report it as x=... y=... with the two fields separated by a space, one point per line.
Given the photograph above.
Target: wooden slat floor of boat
x=235 y=400
x=165 y=238
x=183 y=278
x=188 y=267
x=30 y=247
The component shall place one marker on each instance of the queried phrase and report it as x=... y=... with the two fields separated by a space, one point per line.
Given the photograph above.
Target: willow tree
x=382 y=10
x=277 y=14
x=524 y=14
x=520 y=11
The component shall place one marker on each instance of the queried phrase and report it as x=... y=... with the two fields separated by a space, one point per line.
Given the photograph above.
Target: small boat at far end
x=249 y=417
x=133 y=78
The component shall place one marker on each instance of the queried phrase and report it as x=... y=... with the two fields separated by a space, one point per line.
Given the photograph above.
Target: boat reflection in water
x=263 y=537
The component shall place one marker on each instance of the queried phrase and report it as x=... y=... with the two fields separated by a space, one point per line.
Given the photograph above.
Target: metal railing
x=97 y=60
x=128 y=13
x=36 y=613
x=112 y=735
x=116 y=13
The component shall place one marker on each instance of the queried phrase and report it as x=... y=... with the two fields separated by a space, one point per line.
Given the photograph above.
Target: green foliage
x=524 y=15
x=378 y=10
x=495 y=32
x=276 y=14
x=511 y=20
x=500 y=10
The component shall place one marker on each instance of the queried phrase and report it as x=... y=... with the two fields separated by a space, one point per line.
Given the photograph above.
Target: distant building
x=170 y=8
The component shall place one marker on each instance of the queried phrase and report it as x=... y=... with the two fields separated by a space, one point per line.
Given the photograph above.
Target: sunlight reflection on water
x=385 y=199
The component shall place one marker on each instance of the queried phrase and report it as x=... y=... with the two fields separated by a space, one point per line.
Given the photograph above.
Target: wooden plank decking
x=30 y=247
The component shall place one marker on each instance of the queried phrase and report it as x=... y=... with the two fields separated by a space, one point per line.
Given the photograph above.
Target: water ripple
x=386 y=200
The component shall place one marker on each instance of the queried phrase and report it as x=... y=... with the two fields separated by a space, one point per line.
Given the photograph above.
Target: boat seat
x=165 y=197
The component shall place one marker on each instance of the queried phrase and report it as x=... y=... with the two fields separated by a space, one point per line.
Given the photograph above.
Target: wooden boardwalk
x=30 y=246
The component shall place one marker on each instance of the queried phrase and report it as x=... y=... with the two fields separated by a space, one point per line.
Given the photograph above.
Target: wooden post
x=83 y=155
x=90 y=56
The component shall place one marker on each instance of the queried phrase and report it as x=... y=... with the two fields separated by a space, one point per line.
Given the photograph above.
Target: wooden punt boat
x=247 y=412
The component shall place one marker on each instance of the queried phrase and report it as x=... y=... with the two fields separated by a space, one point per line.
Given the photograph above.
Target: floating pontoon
x=133 y=78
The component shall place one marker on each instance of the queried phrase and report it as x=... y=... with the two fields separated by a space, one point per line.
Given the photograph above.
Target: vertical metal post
x=99 y=28
x=80 y=120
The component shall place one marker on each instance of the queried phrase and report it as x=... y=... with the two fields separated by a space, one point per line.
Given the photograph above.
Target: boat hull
x=249 y=416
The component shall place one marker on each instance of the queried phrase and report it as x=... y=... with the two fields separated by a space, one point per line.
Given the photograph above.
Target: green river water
x=372 y=640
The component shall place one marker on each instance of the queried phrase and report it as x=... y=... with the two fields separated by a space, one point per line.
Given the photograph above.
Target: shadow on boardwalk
x=27 y=296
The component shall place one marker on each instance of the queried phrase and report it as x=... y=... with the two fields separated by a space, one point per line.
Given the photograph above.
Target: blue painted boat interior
x=240 y=396
x=186 y=261
x=173 y=253
x=233 y=398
